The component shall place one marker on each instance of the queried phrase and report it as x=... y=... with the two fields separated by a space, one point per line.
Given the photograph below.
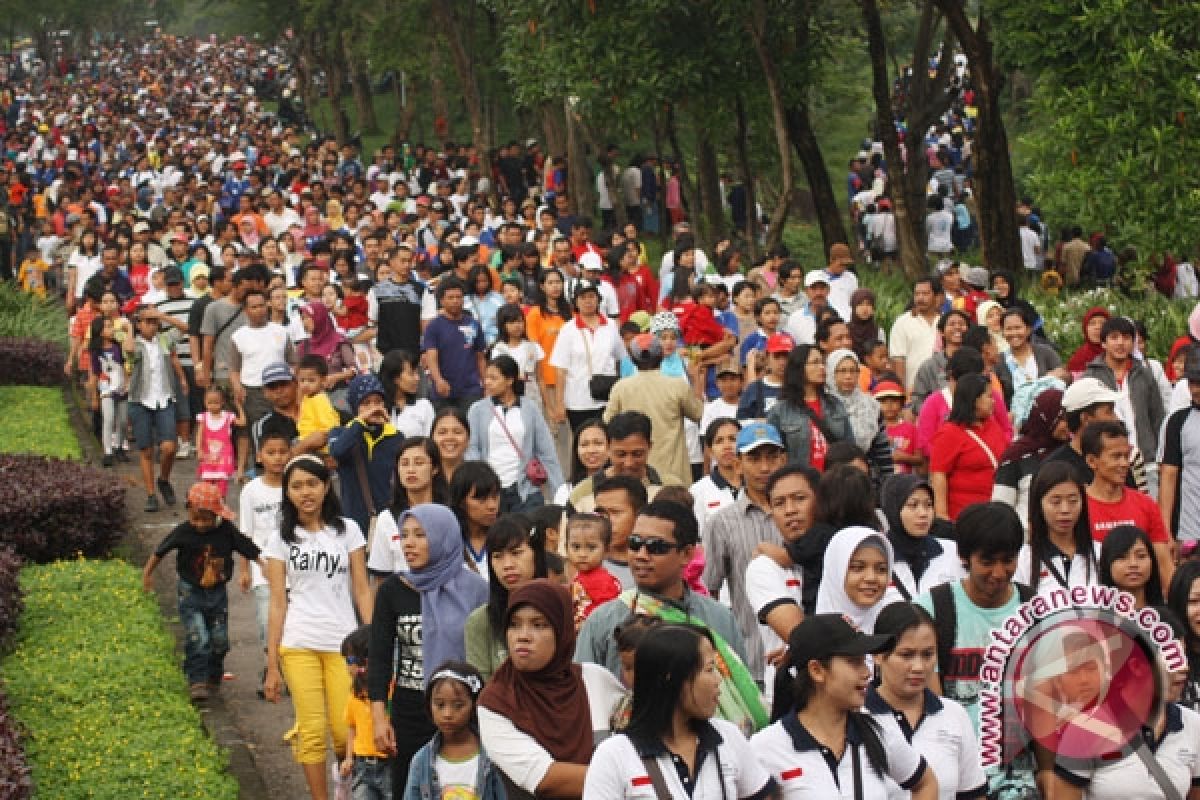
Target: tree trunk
x=907 y=208
x=808 y=150
x=742 y=147
x=554 y=129
x=579 y=175
x=406 y=109
x=464 y=67
x=993 y=181
x=708 y=184
x=334 y=64
x=756 y=26
x=437 y=92
x=686 y=188
x=360 y=85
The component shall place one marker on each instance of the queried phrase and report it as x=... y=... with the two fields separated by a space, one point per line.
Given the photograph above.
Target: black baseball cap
x=821 y=636
x=173 y=274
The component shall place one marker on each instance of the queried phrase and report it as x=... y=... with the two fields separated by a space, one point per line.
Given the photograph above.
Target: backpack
x=945 y=619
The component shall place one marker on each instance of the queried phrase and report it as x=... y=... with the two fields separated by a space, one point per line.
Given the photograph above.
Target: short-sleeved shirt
x=806 y=769
x=769 y=586
x=1181 y=448
x=320 y=610
x=358 y=716
x=723 y=756
x=259 y=507
x=945 y=736
x=1177 y=752
x=259 y=348
x=970 y=470
x=221 y=321
x=205 y=558
x=912 y=339
x=1134 y=508
x=457 y=342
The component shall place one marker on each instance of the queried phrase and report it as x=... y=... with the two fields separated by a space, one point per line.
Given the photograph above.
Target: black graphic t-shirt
x=205 y=558
x=396 y=632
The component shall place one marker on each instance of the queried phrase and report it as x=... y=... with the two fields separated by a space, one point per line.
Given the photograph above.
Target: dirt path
x=246 y=726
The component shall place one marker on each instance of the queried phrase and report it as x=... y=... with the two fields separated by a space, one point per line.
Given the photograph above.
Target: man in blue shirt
x=453 y=346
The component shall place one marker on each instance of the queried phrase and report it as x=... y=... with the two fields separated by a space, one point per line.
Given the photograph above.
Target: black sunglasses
x=655 y=547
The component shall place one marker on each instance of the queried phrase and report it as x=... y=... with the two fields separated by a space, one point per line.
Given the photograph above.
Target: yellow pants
x=320 y=686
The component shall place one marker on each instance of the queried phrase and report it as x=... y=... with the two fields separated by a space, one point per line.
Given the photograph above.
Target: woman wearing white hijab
x=866 y=423
x=858 y=569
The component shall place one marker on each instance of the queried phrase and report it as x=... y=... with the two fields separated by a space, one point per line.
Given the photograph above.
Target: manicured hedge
x=32 y=362
x=34 y=419
x=52 y=509
x=14 y=772
x=95 y=680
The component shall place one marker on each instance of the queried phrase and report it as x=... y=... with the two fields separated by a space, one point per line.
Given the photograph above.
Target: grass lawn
x=35 y=421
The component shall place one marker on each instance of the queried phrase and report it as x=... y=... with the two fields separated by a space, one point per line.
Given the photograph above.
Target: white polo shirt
x=945 y=736
x=709 y=495
x=942 y=569
x=1178 y=752
x=571 y=353
x=807 y=770
x=769 y=585
x=1075 y=573
x=725 y=769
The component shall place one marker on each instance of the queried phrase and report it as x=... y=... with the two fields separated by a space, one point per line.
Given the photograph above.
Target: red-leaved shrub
x=31 y=362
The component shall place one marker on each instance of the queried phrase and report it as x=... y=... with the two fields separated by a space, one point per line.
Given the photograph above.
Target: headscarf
x=551 y=705
x=832 y=597
x=808 y=553
x=1194 y=322
x=1037 y=434
x=862 y=332
x=449 y=592
x=1169 y=367
x=325 y=339
x=861 y=408
x=916 y=551
x=1088 y=350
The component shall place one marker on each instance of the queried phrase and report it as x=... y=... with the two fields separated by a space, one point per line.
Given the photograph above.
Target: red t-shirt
x=970 y=472
x=1134 y=508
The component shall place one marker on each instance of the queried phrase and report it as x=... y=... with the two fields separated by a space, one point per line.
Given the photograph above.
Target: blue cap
x=278 y=372
x=361 y=388
x=757 y=434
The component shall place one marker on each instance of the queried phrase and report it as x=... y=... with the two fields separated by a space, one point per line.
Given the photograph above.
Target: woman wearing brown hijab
x=541 y=715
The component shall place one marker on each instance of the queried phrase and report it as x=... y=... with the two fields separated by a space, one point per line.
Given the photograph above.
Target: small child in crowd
x=317 y=414
x=767 y=313
x=32 y=273
x=588 y=537
x=453 y=764
x=365 y=767
x=762 y=394
x=901 y=433
x=629 y=636
x=205 y=545
x=216 y=461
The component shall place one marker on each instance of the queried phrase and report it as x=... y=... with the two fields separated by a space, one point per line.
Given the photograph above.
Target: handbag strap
x=660 y=783
x=858 y=779
x=360 y=471
x=587 y=348
x=991 y=456
x=1169 y=790
x=507 y=432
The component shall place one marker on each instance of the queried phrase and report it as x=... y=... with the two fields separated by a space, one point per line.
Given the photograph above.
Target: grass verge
x=35 y=421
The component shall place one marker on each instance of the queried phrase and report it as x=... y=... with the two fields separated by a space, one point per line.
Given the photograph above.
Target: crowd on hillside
x=524 y=514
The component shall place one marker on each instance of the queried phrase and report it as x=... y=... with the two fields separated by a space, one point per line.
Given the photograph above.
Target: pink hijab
x=325 y=339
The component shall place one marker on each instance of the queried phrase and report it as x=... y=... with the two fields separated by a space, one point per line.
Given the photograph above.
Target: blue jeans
x=204 y=614
x=371 y=779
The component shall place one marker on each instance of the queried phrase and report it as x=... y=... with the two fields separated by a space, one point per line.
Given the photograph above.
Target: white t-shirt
x=386 y=556
x=714 y=410
x=1030 y=241
x=415 y=419
x=945 y=736
x=527 y=355
x=85 y=267
x=502 y=456
x=519 y=755
x=457 y=778
x=259 y=506
x=946 y=567
x=259 y=348
x=708 y=498
x=769 y=585
x=617 y=772
x=320 y=610
x=1075 y=574
x=912 y=339
x=798 y=762
x=570 y=353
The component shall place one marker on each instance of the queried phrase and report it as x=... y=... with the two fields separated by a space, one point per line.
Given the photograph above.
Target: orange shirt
x=543 y=329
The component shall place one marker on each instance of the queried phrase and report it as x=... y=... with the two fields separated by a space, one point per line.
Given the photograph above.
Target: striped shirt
x=732 y=534
x=180 y=309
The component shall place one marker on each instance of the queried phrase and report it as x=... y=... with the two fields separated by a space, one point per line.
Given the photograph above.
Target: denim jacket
x=792 y=422
x=423 y=782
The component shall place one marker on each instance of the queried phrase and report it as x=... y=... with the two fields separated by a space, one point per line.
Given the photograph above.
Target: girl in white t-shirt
x=512 y=341
x=400 y=374
x=419 y=480
x=321 y=556
x=1061 y=552
x=901 y=700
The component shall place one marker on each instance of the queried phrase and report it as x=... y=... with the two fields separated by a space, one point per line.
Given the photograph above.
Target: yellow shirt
x=317 y=414
x=32 y=276
x=358 y=716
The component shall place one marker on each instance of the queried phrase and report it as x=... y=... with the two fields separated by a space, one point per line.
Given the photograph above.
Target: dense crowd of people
x=525 y=514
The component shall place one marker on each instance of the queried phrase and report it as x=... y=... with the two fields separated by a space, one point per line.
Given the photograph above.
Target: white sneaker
x=185 y=449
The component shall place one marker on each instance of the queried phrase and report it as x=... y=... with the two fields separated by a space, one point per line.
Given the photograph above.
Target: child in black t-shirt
x=205 y=545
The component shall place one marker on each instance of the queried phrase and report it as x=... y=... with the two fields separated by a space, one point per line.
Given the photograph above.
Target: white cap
x=815 y=276
x=590 y=260
x=1087 y=392
x=468 y=241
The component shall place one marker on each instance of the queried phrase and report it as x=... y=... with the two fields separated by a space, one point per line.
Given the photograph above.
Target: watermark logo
x=1075 y=671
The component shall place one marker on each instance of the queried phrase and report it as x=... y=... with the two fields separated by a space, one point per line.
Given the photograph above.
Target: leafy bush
x=14 y=770
x=31 y=362
x=52 y=509
x=35 y=421
x=10 y=595
x=25 y=316
x=95 y=680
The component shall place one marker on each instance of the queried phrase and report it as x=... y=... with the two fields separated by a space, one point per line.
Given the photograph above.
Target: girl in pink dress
x=215 y=460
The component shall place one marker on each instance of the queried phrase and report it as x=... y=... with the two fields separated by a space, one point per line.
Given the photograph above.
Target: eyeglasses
x=355 y=661
x=655 y=547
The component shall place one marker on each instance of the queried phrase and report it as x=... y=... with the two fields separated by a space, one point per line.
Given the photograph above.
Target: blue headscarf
x=449 y=590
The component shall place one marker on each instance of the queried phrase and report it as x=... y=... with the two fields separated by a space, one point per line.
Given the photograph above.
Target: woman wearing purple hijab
x=1043 y=432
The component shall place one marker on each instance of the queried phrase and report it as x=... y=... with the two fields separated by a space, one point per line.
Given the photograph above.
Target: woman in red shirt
x=966 y=450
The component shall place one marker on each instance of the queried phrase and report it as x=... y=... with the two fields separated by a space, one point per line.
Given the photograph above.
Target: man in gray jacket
x=1140 y=405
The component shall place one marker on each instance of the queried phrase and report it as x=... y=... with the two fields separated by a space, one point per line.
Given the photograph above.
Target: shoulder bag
x=599 y=385
x=535 y=470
